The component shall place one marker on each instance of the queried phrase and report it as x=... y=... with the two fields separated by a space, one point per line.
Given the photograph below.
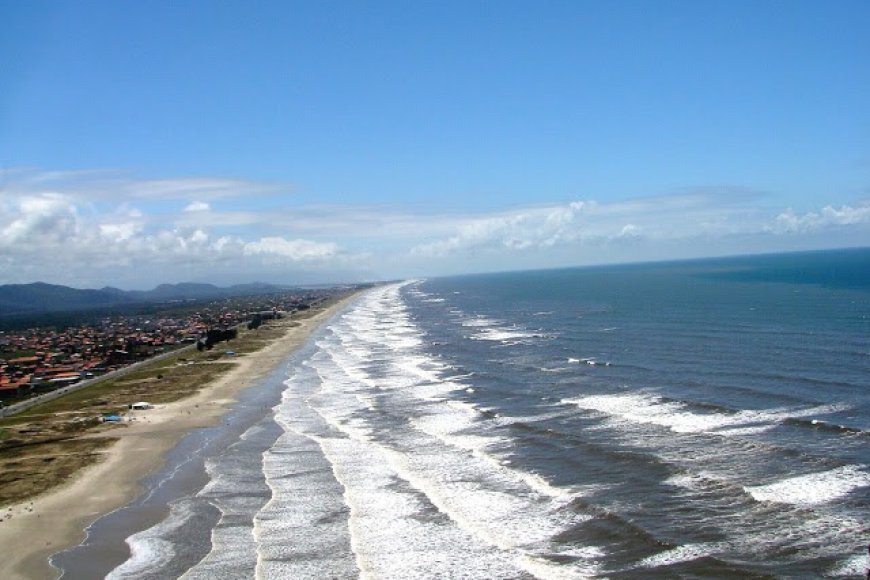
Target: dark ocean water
x=705 y=419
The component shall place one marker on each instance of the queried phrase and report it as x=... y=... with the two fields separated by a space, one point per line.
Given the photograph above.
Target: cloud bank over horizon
x=96 y=228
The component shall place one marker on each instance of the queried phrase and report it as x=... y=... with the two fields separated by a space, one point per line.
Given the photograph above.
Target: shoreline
x=34 y=530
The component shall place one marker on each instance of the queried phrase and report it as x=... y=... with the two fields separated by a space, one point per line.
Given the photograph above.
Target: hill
x=39 y=297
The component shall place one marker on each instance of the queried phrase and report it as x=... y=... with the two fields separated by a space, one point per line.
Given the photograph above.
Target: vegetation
x=26 y=474
x=18 y=353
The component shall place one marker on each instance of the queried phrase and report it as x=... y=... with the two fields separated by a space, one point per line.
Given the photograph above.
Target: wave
x=589 y=361
x=493 y=330
x=302 y=531
x=852 y=567
x=680 y=554
x=479 y=321
x=646 y=408
x=820 y=425
x=813 y=488
x=416 y=467
x=505 y=335
x=150 y=550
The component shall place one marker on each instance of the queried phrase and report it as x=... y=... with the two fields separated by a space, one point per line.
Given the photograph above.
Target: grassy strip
x=26 y=475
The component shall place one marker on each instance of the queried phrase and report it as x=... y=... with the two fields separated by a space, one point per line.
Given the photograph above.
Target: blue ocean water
x=697 y=419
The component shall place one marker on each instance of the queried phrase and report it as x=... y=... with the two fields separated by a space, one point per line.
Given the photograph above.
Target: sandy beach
x=32 y=531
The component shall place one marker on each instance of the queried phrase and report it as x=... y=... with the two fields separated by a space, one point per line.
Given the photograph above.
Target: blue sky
x=148 y=142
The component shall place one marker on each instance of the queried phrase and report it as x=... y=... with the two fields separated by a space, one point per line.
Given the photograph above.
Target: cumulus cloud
x=119 y=232
x=41 y=231
x=829 y=216
x=46 y=219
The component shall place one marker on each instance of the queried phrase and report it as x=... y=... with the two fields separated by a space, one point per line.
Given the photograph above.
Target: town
x=41 y=359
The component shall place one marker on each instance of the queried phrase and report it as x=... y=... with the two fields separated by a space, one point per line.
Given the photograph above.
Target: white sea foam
x=639 y=407
x=744 y=431
x=488 y=502
x=149 y=549
x=449 y=424
x=480 y=322
x=454 y=423
x=393 y=533
x=685 y=553
x=814 y=488
x=503 y=334
x=815 y=532
x=583 y=565
x=237 y=491
x=427 y=498
x=692 y=481
x=489 y=329
x=301 y=532
x=555 y=369
x=437 y=391
x=852 y=567
x=233 y=554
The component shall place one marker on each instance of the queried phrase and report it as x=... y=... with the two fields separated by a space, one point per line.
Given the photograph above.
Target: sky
x=337 y=141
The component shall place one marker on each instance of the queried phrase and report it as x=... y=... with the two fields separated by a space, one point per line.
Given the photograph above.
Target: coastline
x=34 y=530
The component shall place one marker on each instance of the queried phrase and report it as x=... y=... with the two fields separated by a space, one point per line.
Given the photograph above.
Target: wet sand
x=34 y=530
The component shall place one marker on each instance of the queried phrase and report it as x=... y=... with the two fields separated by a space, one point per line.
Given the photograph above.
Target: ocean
x=704 y=419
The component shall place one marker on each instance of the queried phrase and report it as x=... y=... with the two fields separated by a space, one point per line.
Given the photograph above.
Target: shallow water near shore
x=182 y=476
x=706 y=419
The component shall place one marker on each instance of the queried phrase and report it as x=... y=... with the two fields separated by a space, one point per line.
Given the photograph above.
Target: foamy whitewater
x=690 y=420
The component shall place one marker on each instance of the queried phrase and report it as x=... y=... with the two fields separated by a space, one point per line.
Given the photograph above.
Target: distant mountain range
x=37 y=298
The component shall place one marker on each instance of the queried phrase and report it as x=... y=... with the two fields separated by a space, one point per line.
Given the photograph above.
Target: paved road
x=24 y=405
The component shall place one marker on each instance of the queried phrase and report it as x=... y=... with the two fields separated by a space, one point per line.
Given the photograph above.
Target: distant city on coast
x=38 y=354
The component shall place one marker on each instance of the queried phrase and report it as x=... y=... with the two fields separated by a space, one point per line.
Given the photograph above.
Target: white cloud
x=540 y=228
x=630 y=231
x=199 y=237
x=66 y=236
x=701 y=217
x=198 y=188
x=45 y=219
x=828 y=216
x=197 y=206
x=46 y=222
x=107 y=184
x=295 y=250
x=120 y=232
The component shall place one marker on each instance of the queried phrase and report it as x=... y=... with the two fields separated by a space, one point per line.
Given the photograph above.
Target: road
x=24 y=405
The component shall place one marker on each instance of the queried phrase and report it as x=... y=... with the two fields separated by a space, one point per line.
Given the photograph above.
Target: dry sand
x=34 y=530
